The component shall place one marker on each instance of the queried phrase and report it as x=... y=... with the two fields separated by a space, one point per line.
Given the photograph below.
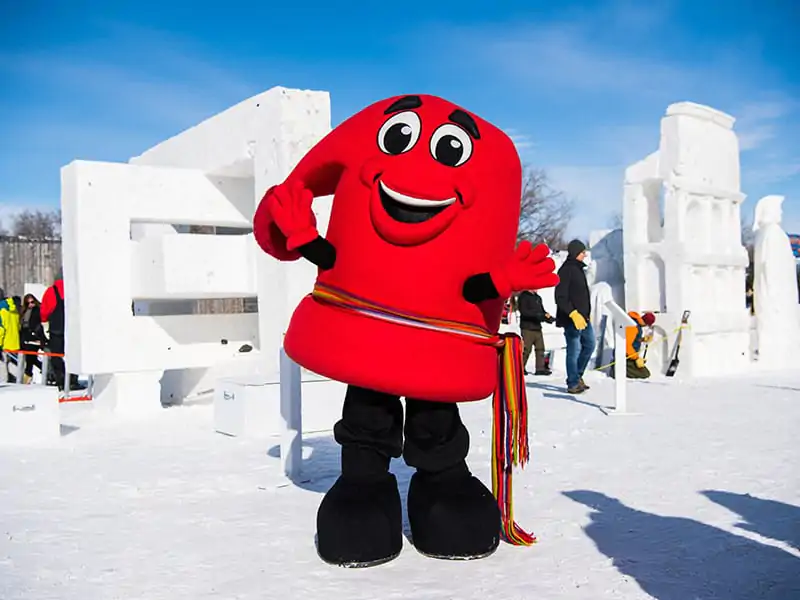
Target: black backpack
x=56 y=319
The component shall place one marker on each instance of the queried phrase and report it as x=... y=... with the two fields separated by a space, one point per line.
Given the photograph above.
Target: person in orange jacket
x=635 y=337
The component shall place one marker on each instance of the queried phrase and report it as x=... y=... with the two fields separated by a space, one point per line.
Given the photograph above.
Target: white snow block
x=166 y=266
x=28 y=414
x=246 y=406
x=130 y=394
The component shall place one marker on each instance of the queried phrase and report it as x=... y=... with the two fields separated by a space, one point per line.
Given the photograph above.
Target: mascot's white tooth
x=412 y=201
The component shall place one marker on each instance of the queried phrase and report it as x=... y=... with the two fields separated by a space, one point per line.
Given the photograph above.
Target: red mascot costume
x=418 y=260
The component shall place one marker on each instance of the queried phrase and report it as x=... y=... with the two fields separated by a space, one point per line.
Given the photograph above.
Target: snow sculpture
x=606 y=250
x=606 y=277
x=774 y=286
x=682 y=240
x=602 y=321
x=125 y=244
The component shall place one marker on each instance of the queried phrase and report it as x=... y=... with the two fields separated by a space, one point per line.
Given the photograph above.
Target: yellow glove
x=640 y=363
x=577 y=318
x=647 y=339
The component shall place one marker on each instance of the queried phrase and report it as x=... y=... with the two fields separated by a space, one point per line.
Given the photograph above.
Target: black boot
x=451 y=513
x=359 y=522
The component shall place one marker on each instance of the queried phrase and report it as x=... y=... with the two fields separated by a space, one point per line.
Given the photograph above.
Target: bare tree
x=546 y=213
x=37 y=225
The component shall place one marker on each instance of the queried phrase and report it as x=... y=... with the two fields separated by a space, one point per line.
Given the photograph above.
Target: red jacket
x=49 y=300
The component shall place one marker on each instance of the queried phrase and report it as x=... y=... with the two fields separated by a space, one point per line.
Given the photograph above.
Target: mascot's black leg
x=359 y=522
x=451 y=513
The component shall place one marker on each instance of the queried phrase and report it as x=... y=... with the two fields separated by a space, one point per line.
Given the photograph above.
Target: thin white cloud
x=554 y=58
x=595 y=190
x=170 y=82
x=625 y=87
x=756 y=136
x=523 y=143
x=759 y=122
x=766 y=110
x=772 y=173
x=136 y=93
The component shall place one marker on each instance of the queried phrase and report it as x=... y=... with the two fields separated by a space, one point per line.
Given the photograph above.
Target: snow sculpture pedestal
x=682 y=240
x=601 y=294
x=254 y=406
x=243 y=406
x=291 y=417
x=135 y=394
x=28 y=414
x=621 y=322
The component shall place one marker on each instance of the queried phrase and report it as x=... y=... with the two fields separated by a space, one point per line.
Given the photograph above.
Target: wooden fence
x=27 y=261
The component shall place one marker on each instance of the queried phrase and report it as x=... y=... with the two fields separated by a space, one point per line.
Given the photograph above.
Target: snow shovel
x=673 y=365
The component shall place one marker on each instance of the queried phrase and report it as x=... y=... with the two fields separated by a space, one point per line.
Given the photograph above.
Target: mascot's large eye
x=400 y=133
x=451 y=145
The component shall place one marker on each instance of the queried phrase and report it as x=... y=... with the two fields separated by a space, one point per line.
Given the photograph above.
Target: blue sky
x=581 y=85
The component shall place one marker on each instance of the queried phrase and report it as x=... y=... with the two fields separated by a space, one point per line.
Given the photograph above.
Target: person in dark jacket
x=531 y=316
x=52 y=312
x=31 y=333
x=573 y=309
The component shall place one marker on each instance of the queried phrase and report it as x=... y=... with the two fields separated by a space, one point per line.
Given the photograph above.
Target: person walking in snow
x=532 y=315
x=573 y=304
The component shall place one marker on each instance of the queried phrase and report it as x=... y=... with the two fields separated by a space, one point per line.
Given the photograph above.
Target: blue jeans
x=580 y=345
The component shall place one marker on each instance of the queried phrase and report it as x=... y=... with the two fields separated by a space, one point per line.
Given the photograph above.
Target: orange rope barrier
x=43 y=353
x=34 y=352
x=75 y=399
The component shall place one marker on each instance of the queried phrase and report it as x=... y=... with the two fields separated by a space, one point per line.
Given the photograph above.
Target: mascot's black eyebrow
x=459 y=117
x=404 y=103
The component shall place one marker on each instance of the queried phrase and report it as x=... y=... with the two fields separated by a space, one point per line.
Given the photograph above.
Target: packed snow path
x=696 y=498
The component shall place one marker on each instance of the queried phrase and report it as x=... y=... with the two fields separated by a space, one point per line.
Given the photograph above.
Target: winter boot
x=582 y=384
x=451 y=513
x=359 y=522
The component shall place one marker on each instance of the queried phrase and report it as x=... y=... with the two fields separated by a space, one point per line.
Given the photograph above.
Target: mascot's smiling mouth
x=408 y=209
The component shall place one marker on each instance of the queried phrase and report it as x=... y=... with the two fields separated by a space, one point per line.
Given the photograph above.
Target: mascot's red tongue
x=426 y=198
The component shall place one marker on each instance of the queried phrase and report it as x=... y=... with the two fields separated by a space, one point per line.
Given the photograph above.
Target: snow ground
x=697 y=497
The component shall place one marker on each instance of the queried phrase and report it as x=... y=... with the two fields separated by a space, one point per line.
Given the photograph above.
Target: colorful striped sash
x=509 y=402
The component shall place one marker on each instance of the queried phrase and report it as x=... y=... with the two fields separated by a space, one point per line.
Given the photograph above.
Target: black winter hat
x=575 y=247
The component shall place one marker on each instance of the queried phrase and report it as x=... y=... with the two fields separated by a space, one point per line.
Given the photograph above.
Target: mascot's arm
x=528 y=268
x=478 y=288
x=320 y=252
x=284 y=225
